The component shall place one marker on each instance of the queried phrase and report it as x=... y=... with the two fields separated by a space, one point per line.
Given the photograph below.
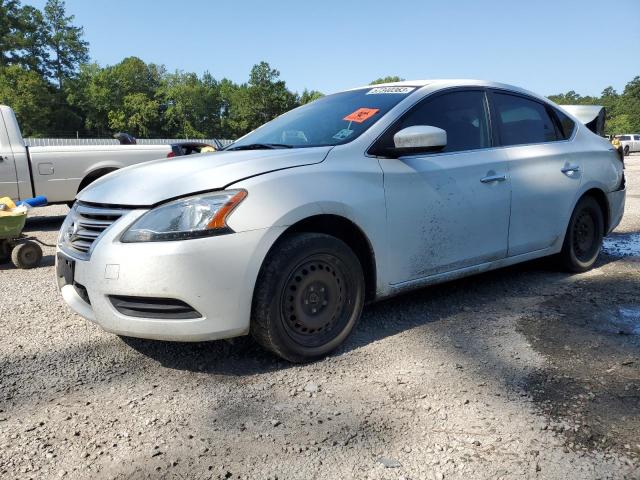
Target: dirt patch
x=590 y=386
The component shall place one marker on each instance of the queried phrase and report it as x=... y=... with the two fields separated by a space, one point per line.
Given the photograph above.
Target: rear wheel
x=583 y=239
x=309 y=296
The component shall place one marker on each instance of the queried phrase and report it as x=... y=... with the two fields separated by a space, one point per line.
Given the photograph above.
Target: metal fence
x=65 y=142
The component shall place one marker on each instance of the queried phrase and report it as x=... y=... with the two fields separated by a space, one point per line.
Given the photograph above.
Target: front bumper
x=214 y=275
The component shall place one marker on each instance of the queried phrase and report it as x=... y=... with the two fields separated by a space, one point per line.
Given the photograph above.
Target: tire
x=5 y=251
x=308 y=297
x=583 y=239
x=26 y=255
x=626 y=151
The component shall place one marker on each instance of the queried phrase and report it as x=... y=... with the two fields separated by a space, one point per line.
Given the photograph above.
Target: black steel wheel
x=583 y=239
x=308 y=297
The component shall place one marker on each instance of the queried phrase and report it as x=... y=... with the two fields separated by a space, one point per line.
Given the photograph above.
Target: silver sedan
x=357 y=196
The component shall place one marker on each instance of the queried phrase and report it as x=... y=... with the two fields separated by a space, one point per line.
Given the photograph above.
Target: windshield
x=331 y=120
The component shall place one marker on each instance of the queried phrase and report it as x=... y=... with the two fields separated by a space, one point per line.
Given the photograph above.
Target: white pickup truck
x=59 y=173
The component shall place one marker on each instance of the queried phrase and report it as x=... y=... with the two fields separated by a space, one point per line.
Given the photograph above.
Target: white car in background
x=630 y=143
x=352 y=198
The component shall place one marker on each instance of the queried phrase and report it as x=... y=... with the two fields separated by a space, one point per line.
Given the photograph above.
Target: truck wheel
x=26 y=255
x=626 y=151
x=308 y=297
x=583 y=239
x=5 y=251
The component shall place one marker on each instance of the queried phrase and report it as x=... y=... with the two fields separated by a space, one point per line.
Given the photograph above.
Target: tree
x=631 y=101
x=138 y=115
x=22 y=36
x=268 y=96
x=66 y=42
x=30 y=97
x=388 y=79
x=309 y=96
x=191 y=105
x=98 y=91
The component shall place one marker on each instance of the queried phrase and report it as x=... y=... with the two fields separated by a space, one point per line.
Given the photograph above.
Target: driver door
x=446 y=210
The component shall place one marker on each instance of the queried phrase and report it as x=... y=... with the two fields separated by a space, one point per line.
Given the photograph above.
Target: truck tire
x=626 y=150
x=583 y=239
x=308 y=297
x=26 y=255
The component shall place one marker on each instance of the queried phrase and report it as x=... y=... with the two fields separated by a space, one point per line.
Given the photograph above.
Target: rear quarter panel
x=601 y=165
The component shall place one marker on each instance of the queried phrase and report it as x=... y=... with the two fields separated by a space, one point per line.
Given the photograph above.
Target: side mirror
x=418 y=139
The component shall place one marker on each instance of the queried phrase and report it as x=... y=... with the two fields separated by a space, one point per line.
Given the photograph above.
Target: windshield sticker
x=389 y=90
x=342 y=134
x=361 y=115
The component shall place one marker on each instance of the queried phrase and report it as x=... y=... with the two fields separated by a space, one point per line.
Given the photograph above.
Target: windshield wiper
x=260 y=146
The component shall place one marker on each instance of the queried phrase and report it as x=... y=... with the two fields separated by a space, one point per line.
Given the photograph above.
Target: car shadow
x=47 y=261
x=242 y=355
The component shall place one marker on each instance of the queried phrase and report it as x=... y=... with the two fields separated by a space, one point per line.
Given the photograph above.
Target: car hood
x=149 y=183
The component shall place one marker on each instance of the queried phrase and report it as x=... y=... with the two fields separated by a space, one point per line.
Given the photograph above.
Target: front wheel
x=583 y=239
x=626 y=151
x=309 y=296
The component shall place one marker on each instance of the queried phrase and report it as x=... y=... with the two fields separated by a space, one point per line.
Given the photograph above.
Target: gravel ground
x=519 y=373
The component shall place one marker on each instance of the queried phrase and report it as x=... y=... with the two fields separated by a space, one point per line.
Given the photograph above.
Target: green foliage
x=29 y=95
x=138 y=115
x=192 y=105
x=623 y=110
x=388 y=79
x=65 y=41
x=309 y=96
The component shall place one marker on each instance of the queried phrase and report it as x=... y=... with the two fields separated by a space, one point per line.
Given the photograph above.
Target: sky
x=547 y=46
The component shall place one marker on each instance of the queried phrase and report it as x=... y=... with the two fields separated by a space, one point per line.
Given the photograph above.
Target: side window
x=636 y=137
x=625 y=138
x=522 y=121
x=567 y=125
x=462 y=115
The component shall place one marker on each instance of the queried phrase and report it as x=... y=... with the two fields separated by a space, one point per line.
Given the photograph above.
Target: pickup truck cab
x=59 y=173
x=630 y=143
x=354 y=197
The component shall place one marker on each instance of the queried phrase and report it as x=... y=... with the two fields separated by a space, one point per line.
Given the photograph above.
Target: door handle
x=493 y=178
x=570 y=169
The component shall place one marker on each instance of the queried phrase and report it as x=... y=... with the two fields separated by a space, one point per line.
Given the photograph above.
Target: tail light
x=171 y=154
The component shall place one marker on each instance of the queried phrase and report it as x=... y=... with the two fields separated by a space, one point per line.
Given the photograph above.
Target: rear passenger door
x=636 y=143
x=545 y=173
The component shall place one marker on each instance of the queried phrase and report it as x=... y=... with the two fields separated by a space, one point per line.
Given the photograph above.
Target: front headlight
x=194 y=217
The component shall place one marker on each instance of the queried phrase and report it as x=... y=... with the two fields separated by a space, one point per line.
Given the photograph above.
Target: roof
x=449 y=82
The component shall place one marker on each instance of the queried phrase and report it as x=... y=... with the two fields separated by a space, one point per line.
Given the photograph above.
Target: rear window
x=522 y=121
x=566 y=124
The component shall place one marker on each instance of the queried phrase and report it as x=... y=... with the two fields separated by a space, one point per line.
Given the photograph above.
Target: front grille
x=87 y=224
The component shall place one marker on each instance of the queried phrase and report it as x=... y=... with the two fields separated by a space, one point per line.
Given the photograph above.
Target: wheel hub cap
x=313 y=300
